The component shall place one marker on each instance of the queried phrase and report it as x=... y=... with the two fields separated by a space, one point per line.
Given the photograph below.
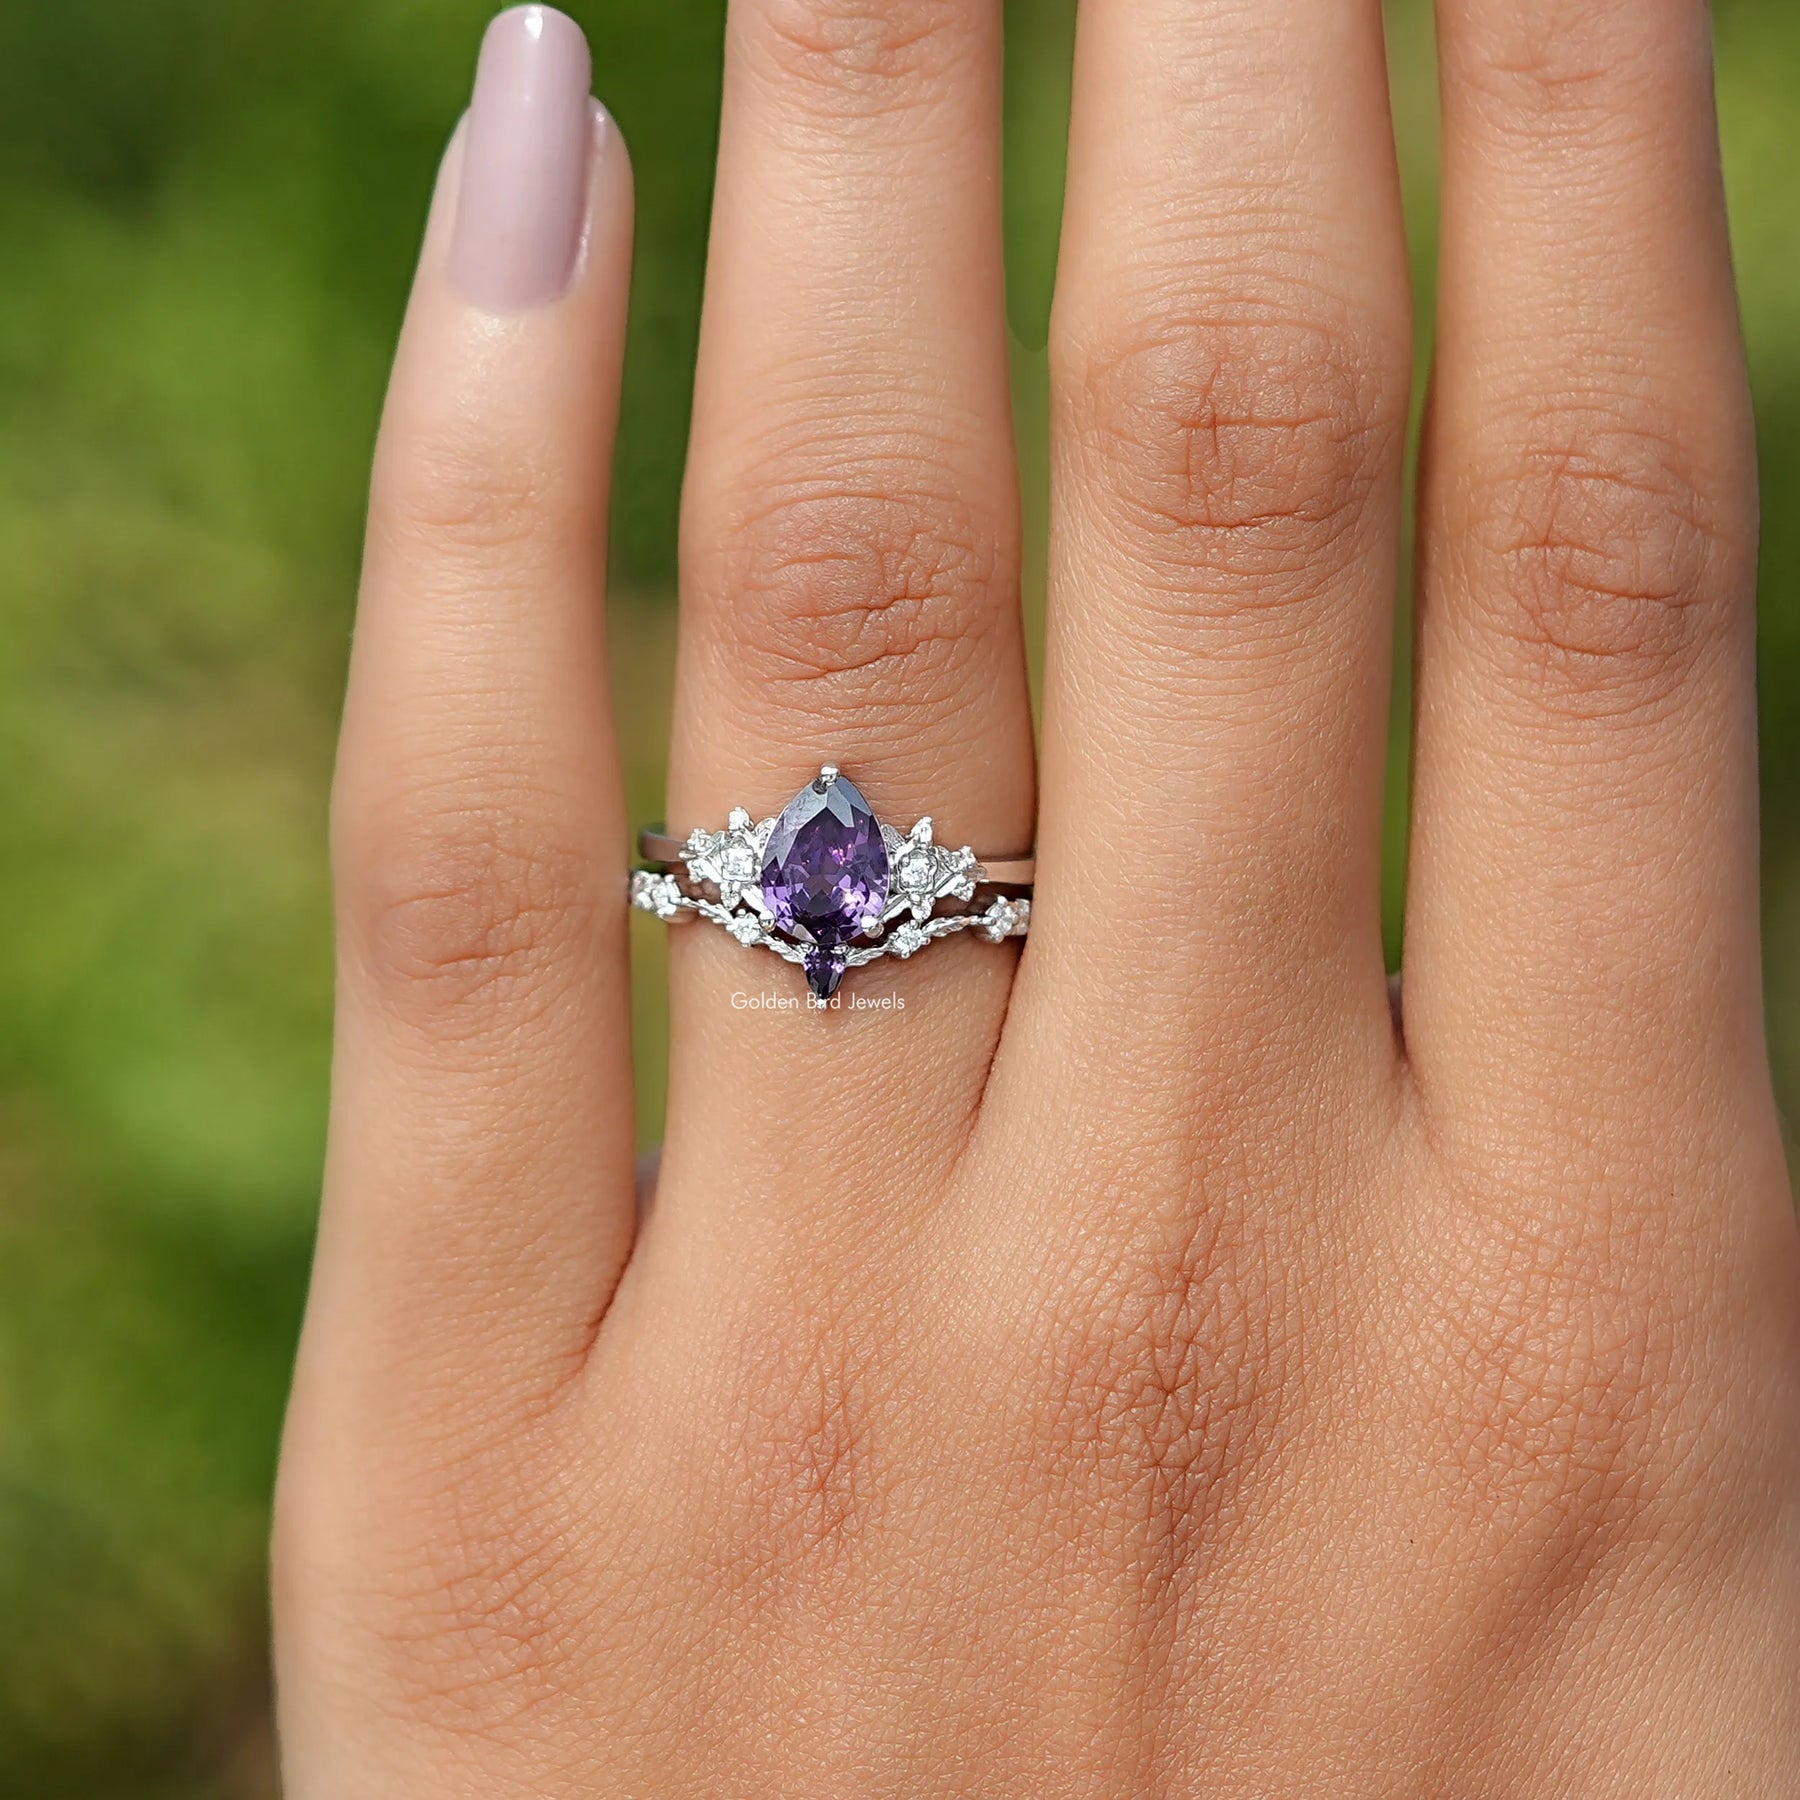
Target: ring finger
x=849 y=559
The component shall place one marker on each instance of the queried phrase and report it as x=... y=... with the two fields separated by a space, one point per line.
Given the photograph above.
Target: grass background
x=208 y=210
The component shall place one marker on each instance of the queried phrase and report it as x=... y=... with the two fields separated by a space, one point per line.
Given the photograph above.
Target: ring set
x=828 y=886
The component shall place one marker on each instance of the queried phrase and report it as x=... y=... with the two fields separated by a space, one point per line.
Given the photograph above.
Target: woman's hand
x=1143 y=1366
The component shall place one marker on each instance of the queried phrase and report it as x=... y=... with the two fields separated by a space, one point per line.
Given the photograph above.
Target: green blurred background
x=208 y=209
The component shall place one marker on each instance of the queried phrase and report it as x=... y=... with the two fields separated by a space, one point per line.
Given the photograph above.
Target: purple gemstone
x=825 y=873
x=824 y=970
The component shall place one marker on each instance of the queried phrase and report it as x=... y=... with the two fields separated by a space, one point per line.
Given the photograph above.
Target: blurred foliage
x=209 y=210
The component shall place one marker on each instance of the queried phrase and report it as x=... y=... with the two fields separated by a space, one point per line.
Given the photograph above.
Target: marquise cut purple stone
x=825 y=874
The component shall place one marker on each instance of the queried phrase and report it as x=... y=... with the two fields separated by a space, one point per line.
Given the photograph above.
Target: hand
x=1152 y=1364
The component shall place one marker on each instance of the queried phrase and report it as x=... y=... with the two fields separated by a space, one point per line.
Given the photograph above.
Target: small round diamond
x=659 y=894
x=917 y=872
x=907 y=938
x=998 y=921
x=746 y=928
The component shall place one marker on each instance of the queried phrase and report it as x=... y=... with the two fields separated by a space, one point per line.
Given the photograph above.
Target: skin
x=1153 y=1365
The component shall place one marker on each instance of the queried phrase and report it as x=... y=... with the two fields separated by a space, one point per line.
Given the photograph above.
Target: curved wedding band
x=821 y=883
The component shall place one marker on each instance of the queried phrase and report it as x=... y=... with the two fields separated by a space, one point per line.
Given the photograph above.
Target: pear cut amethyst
x=825 y=874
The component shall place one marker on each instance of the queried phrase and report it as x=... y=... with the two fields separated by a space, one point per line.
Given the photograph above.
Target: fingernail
x=525 y=163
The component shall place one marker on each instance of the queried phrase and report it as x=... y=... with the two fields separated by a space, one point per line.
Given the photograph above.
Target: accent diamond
x=1004 y=919
x=654 y=893
x=906 y=938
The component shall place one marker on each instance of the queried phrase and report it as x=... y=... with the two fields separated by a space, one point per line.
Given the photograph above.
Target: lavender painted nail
x=525 y=163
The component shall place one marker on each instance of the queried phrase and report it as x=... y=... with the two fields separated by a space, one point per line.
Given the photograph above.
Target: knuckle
x=473 y=1639
x=1236 y=448
x=473 y=1610
x=860 y=51
x=1562 y=1353
x=1554 y=59
x=884 y=600
x=461 y=496
x=1601 y=561
x=465 y=912
x=1164 y=1384
x=811 y=1473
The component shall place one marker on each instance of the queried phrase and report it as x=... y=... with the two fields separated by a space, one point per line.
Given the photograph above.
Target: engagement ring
x=828 y=886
